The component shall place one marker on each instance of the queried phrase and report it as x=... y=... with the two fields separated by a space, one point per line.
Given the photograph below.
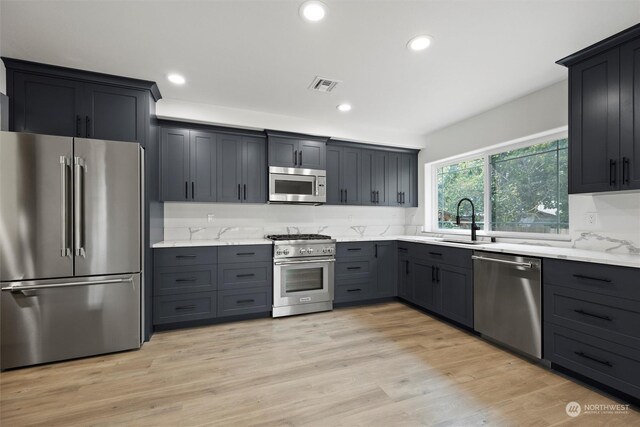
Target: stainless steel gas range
x=303 y=273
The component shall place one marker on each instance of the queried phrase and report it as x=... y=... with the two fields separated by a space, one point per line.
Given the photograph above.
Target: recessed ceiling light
x=176 y=79
x=313 y=10
x=344 y=107
x=419 y=43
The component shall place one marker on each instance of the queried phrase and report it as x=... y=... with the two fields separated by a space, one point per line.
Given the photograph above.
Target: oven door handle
x=315 y=261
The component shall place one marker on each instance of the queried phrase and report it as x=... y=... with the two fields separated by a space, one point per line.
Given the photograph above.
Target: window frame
x=431 y=180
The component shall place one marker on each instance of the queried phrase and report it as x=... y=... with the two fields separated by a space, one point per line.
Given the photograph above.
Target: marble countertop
x=625 y=260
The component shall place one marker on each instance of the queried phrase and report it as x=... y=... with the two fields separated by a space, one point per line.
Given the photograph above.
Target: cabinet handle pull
x=403 y=199
x=186 y=190
x=189 y=279
x=353 y=268
x=193 y=190
x=239 y=192
x=245 y=253
x=612 y=172
x=88 y=121
x=341 y=195
x=595 y=359
x=435 y=254
x=597 y=316
x=245 y=275
x=245 y=301
x=295 y=157
x=597 y=279
x=345 y=195
x=78 y=120
x=376 y=247
x=354 y=290
x=625 y=170
x=354 y=249
x=245 y=191
x=300 y=162
x=403 y=250
x=185 y=256
x=186 y=307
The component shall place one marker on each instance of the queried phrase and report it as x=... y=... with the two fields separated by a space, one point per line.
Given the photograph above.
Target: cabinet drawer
x=609 y=318
x=179 y=280
x=354 y=290
x=234 y=276
x=175 y=257
x=353 y=268
x=441 y=254
x=249 y=253
x=244 y=301
x=604 y=361
x=598 y=278
x=354 y=250
x=181 y=308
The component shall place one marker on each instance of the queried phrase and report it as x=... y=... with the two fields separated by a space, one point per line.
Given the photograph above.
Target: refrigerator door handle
x=18 y=288
x=64 y=203
x=78 y=235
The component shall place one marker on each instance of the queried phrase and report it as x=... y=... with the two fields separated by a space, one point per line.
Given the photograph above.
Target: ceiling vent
x=320 y=84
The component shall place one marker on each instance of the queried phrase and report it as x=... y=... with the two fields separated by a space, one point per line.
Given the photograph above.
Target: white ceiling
x=260 y=56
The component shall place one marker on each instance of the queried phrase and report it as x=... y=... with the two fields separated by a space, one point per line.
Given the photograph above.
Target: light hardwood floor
x=381 y=365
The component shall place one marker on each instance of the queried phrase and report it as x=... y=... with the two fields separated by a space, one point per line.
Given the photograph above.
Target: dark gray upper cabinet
x=47 y=105
x=296 y=151
x=174 y=146
x=229 y=168
x=402 y=179
x=595 y=124
x=604 y=90
x=254 y=172
x=61 y=101
x=374 y=173
x=188 y=165
x=630 y=114
x=343 y=175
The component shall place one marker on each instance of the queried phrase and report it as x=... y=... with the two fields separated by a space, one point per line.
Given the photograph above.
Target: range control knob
x=330 y=250
x=278 y=252
x=324 y=250
x=286 y=251
x=302 y=251
x=309 y=251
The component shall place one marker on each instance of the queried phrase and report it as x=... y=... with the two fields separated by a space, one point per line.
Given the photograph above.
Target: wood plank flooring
x=381 y=365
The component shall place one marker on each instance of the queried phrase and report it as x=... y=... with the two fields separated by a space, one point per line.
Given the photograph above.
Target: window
x=516 y=189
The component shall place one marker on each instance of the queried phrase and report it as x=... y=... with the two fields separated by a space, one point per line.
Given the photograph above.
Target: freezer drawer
x=52 y=320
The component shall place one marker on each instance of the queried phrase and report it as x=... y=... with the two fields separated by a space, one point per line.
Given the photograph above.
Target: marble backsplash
x=617 y=229
x=191 y=221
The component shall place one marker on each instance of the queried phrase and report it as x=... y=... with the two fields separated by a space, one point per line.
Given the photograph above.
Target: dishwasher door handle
x=503 y=261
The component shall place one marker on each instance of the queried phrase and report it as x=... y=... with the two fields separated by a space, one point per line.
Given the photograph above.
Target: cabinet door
x=115 y=114
x=283 y=152
x=47 y=105
x=405 y=284
x=254 y=173
x=424 y=284
x=203 y=151
x=381 y=173
x=312 y=154
x=594 y=140
x=407 y=174
x=367 y=168
x=350 y=180
x=393 y=179
x=175 y=164
x=385 y=260
x=630 y=114
x=455 y=288
x=335 y=191
x=229 y=170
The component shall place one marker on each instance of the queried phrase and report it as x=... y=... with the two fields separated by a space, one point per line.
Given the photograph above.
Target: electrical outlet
x=210 y=218
x=590 y=219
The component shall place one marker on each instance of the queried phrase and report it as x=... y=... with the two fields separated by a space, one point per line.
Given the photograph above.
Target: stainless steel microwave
x=294 y=185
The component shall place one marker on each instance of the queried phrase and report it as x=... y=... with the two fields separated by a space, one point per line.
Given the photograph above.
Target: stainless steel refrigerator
x=70 y=247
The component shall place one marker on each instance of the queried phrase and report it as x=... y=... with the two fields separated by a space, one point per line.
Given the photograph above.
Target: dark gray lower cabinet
x=592 y=321
x=200 y=283
x=405 y=282
x=455 y=285
x=385 y=254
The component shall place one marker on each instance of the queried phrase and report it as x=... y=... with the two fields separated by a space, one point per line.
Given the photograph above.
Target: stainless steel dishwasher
x=507 y=301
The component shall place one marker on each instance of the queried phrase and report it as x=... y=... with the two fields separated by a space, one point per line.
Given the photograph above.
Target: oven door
x=290 y=185
x=302 y=282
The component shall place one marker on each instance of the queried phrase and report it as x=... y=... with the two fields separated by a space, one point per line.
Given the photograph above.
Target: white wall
x=215 y=114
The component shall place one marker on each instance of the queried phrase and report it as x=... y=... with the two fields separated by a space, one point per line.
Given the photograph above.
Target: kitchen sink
x=466 y=242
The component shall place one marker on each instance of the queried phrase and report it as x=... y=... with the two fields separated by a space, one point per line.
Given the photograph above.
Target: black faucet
x=474 y=226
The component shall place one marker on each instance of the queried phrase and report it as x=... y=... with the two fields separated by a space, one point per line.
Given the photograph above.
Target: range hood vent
x=320 y=84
